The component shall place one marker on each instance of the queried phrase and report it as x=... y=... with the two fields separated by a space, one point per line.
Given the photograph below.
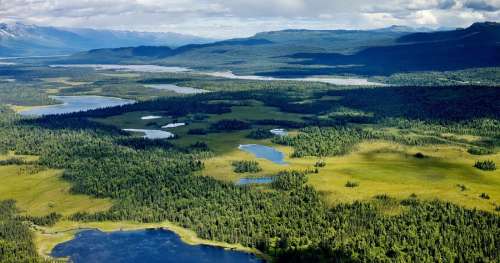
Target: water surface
x=148 y=246
x=262 y=180
x=264 y=152
x=220 y=74
x=76 y=104
x=176 y=89
x=150 y=117
x=279 y=132
x=174 y=125
x=153 y=134
x=125 y=68
x=329 y=80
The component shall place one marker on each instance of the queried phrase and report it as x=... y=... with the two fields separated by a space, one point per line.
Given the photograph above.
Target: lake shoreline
x=46 y=238
x=70 y=104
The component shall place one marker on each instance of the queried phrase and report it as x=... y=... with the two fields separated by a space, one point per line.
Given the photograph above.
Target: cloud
x=483 y=5
x=426 y=17
x=235 y=18
x=447 y=4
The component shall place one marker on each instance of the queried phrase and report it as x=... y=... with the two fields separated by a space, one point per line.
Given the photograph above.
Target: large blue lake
x=76 y=103
x=148 y=246
x=265 y=152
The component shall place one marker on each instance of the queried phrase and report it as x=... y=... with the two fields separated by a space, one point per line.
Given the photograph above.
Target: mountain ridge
x=18 y=39
x=309 y=52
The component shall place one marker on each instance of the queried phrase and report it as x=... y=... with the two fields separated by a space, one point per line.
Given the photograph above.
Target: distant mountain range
x=475 y=46
x=17 y=39
x=292 y=53
x=266 y=50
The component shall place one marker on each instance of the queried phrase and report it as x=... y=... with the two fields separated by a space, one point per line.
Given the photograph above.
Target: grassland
x=65 y=81
x=255 y=111
x=380 y=167
x=389 y=168
x=18 y=108
x=44 y=192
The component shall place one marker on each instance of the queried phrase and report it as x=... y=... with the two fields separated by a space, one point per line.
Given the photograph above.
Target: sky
x=238 y=18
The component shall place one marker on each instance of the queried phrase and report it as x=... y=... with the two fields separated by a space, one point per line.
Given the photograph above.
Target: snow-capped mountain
x=17 y=39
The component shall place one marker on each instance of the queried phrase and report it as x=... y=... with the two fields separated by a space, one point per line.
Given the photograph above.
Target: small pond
x=76 y=104
x=264 y=152
x=148 y=246
x=150 y=117
x=176 y=89
x=279 y=132
x=174 y=125
x=262 y=180
x=153 y=134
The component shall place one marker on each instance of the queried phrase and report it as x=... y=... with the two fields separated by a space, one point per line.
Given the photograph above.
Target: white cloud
x=228 y=18
x=425 y=17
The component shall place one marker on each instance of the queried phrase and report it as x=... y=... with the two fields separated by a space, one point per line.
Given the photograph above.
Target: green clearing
x=380 y=167
x=65 y=81
x=255 y=111
x=44 y=192
x=389 y=168
x=220 y=143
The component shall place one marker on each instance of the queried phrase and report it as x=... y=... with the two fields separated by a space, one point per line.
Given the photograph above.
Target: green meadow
x=39 y=192
x=379 y=167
